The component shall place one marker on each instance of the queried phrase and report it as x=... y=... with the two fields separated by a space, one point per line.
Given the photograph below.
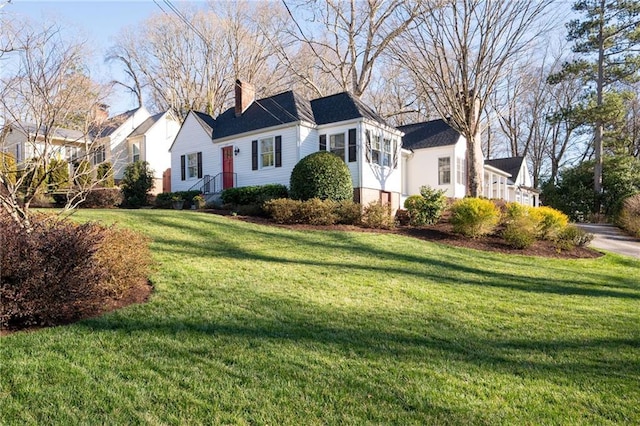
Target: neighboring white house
x=125 y=138
x=519 y=183
x=435 y=155
x=136 y=135
x=188 y=164
x=26 y=140
x=260 y=141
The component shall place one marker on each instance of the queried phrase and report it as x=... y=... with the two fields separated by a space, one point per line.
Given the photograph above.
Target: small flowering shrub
x=474 y=217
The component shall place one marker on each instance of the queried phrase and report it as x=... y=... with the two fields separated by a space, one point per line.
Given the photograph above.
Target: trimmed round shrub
x=321 y=175
x=474 y=217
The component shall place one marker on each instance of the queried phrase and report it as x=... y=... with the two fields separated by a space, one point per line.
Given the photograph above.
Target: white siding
x=309 y=141
x=422 y=169
x=157 y=141
x=375 y=176
x=191 y=138
x=242 y=162
x=119 y=148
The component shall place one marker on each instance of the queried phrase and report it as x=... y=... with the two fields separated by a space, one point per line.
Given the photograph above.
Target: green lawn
x=258 y=325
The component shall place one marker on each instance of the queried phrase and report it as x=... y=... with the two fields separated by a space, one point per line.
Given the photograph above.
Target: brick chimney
x=245 y=95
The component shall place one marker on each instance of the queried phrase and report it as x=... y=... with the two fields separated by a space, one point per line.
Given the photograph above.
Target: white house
x=136 y=135
x=518 y=184
x=435 y=155
x=260 y=141
x=26 y=140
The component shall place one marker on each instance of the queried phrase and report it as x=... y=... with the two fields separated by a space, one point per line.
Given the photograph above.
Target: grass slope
x=259 y=325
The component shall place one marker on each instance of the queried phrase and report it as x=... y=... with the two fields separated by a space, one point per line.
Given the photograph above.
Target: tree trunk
x=599 y=130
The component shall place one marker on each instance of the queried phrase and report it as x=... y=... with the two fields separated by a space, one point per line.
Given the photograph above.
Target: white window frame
x=444 y=171
x=191 y=166
x=333 y=145
x=387 y=149
x=99 y=155
x=267 y=156
x=133 y=151
x=376 y=149
x=461 y=170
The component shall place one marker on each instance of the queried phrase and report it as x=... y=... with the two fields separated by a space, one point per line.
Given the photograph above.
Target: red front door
x=227 y=167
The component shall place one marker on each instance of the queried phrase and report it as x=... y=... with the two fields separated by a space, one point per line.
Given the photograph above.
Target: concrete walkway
x=610 y=238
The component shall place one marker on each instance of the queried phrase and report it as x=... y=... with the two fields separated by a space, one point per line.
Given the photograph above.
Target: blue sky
x=98 y=22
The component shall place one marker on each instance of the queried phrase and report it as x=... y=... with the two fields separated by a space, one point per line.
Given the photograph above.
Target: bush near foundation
x=61 y=271
x=377 y=215
x=474 y=217
x=321 y=175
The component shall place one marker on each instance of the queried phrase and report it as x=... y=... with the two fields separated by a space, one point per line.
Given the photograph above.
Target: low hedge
x=313 y=212
x=165 y=200
x=258 y=194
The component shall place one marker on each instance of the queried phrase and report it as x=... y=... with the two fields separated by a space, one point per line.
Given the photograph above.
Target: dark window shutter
x=183 y=172
x=254 y=155
x=352 y=145
x=200 y=165
x=278 y=151
x=323 y=142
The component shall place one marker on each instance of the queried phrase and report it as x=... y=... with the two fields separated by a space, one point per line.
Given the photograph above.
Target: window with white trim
x=461 y=170
x=386 y=153
x=99 y=155
x=135 y=152
x=376 y=149
x=267 y=153
x=192 y=165
x=337 y=144
x=444 y=171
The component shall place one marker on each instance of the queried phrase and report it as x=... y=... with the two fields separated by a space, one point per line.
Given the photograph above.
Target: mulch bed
x=443 y=233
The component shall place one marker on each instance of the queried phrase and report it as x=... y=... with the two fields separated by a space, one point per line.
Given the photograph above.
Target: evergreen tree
x=606 y=41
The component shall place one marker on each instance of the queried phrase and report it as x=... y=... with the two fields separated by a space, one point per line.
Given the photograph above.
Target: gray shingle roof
x=428 y=134
x=510 y=165
x=340 y=107
x=60 y=133
x=286 y=107
x=146 y=125
x=112 y=124
x=290 y=107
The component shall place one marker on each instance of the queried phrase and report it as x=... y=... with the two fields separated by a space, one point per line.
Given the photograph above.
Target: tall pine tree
x=607 y=41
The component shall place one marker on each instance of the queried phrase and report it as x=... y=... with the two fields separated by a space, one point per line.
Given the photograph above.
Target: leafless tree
x=459 y=51
x=347 y=38
x=190 y=58
x=44 y=90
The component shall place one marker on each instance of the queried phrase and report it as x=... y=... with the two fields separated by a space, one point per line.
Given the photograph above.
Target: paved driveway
x=610 y=238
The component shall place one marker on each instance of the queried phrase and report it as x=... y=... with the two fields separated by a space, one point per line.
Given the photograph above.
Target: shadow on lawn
x=381 y=338
x=438 y=264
